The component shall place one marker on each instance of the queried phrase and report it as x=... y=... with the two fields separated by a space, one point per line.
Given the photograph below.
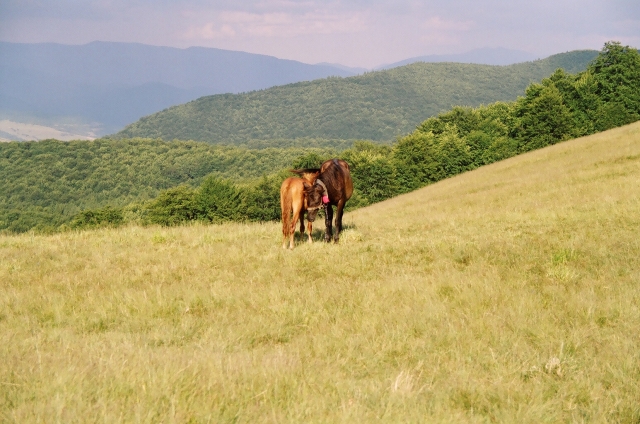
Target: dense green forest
x=375 y=106
x=44 y=184
x=52 y=185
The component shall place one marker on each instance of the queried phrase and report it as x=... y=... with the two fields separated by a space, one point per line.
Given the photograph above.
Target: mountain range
x=487 y=56
x=98 y=88
x=113 y=84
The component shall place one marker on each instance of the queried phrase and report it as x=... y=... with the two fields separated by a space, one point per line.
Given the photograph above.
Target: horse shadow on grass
x=317 y=235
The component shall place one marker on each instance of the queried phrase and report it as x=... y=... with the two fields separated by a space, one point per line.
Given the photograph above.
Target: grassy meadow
x=506 y=294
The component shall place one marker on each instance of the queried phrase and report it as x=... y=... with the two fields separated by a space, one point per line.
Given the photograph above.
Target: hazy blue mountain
x=353 y=70
x=114 y=84
x=486 y=56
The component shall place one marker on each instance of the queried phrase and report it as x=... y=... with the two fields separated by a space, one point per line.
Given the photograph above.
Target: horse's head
x=313 y=199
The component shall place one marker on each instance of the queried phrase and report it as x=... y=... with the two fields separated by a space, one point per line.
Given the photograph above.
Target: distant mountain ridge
x=115 y=84
x=378 y=105
x=352 y=69
x=486 y=56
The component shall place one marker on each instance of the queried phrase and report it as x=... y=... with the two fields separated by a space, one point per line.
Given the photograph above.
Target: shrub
x=103 y=217
x=172 y=207
x=218 y=200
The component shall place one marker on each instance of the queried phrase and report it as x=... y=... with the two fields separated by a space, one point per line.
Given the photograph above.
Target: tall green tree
x=616 y=71
x=541 y=118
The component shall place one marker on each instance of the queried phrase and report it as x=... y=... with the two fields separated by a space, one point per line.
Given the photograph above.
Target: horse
x=297 y=196
x=334 y=176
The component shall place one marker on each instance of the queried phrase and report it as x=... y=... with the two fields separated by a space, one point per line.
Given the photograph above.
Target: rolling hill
x=505 y=294
x=376 y=106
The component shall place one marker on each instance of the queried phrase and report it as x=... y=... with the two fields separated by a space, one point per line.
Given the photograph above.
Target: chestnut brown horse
x=298 y=196
x=335 y=176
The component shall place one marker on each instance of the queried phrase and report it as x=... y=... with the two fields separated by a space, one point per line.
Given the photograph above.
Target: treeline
x=559 y=108
x=375 y=106
x=45 y=184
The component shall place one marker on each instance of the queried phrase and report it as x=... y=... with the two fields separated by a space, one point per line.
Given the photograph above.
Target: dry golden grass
x=507 y=294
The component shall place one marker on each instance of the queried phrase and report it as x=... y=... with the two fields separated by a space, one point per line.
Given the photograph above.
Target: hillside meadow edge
x=506 y=294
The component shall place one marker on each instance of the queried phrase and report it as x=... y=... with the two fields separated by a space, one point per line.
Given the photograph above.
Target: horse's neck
x=310 y=177
x=324 y=187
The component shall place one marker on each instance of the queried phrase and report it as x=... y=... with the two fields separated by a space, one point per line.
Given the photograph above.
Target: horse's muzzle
x=312 y=213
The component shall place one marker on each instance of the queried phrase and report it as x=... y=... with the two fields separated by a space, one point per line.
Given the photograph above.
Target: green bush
x=102 y=217
x=218 y=200
x=374 y=176
x=172 y=207
x=308 y=161
x=261 y=202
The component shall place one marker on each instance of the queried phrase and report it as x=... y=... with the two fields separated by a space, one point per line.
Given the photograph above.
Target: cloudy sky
x=354 y=33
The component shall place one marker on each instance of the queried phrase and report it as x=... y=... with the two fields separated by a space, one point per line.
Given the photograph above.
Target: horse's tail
x=285 y=207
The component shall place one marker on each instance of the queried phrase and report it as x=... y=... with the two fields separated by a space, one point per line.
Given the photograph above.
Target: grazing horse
x=298 y=196
x=335 y=176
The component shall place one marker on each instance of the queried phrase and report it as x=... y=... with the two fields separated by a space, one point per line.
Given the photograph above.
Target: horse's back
x=338 y=172
x=292 y=189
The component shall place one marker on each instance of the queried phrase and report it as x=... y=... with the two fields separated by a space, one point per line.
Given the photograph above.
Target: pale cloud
x=440 y=24
x=209 y=31
x=444 y=32
x=355 y=32
x=230 y=25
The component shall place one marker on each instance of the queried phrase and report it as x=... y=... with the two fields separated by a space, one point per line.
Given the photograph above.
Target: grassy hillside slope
x=376 y=106
x=506 y=294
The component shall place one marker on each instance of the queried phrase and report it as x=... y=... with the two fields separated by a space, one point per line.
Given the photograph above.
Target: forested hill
x=376 y=106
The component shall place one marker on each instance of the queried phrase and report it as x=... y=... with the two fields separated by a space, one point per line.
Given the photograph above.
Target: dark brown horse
x=335 y=176
x=298 y=196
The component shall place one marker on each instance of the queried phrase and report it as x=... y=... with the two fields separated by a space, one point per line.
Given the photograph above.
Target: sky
x=354 y=33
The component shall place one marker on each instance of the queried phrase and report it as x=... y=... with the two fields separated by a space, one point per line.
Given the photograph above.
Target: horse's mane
x=309 y=174
x=305 y=171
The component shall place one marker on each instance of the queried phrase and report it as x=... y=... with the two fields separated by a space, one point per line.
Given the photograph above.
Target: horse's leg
x=309 y=231
x=292 y=230
x=285 y=228
x=339 y=211
x=328 y=217
x=285 y=235
x=294 y=222
x=301 y=224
